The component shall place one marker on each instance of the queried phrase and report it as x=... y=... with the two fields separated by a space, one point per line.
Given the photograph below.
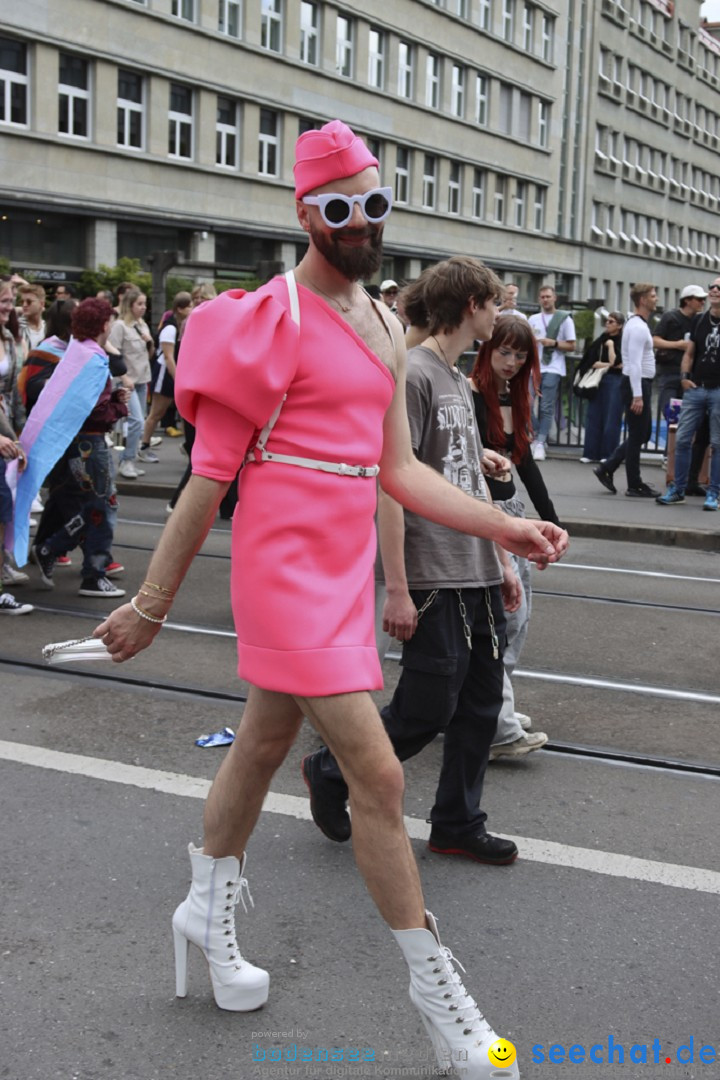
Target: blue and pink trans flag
x=67 y=399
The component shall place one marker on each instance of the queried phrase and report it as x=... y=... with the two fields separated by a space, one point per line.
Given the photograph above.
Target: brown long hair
x=516 y=333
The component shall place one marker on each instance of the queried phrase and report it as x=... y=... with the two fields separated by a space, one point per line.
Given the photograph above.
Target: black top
x=528 y=470
x=597 y=350
x=705 y=334
x=673 y=326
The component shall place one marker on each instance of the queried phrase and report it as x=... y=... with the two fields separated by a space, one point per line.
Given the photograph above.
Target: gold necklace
x=343 y=307
x=442 y=351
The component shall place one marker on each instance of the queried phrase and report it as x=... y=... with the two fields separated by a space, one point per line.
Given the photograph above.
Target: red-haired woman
x=82 y=489
x=500 y=380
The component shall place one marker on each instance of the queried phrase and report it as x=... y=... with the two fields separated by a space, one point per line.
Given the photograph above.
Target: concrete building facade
x=572 y=141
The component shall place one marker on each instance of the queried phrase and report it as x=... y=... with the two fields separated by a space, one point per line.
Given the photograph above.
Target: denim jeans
x=604 y=419
x=549 y=389
x=135 y=422
x=639 y=429
x=445 y=686
x=697 y=404
x=83 y=498
x=516 y=629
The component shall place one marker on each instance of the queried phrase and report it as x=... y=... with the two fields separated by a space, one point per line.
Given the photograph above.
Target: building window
x=375 y=147
x=499 y=199
x=482 y=88
x=478 y=194
x=230 y=18
x=548 y=34
x=376 y=59
x=184 y=9
x=180 y=121
x=520 y=203
x=344 y=54
x=543 y=122
x=525 y=107
x=271 y=25
x=528 y=27
x=508 y=20
x=432 y=81
x=539 y=209
x=454 y=188
x=405 y=69
x=485 y=14
x=506 y=95
x=227 y=137
x=268 y=158
x=74 y=91
x=458 y=7
x=13 y=83
x=402 y=175
x=130 y=110
x=429 y=181
x=309 y=33
x=458 y=90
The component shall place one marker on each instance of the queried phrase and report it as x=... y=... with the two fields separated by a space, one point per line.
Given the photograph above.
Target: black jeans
x=639 y=429
x=446 y=686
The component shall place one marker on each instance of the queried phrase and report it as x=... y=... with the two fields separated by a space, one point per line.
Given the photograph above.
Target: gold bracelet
x=160 y=588
x=152 y=596
x=146 y=615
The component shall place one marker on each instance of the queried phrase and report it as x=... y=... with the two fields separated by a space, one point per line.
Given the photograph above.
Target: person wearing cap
x=670 y=342
x=388 y=293
x=258 y=379
x=700 y=379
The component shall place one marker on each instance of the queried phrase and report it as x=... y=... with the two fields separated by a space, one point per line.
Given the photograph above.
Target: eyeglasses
x=713 y=287
x=337 y=210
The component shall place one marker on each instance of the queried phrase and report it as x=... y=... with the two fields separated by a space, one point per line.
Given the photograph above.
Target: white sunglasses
x=337 y=210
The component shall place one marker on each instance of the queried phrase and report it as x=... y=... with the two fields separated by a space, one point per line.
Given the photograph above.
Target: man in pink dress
x=280 y=344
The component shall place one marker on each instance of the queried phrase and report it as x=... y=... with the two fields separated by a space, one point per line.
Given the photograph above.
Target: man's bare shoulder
x=380 y=330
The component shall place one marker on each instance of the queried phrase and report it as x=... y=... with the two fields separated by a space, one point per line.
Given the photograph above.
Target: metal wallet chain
x=463 y=615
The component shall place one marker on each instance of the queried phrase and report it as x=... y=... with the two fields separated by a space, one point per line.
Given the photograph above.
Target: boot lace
x=235 y=893
x=456 y=995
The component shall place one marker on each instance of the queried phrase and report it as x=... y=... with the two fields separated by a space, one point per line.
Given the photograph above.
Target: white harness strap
x=258 y=453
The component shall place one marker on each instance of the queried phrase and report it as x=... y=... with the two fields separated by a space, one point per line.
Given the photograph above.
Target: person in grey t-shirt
x=446 y=590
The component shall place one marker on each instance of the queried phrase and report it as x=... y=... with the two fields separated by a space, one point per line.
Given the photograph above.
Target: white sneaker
x=37 y=505
x=129 y=470
x=156 y=440
x=538 y=451
x=11 y=576
x=531 y=740
x=588 y=461
x=523 y=720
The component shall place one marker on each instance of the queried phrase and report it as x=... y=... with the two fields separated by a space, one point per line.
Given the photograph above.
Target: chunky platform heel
x=460 y=1034
x=206 y=918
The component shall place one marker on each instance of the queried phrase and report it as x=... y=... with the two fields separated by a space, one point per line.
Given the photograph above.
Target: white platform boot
x=207 y=919
x=459 y=1032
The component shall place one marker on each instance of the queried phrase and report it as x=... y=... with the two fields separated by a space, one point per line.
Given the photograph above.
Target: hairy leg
x=351 y=726
x=268 y=728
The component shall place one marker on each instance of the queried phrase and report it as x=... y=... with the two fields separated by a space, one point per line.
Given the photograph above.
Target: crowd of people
x=106 y=335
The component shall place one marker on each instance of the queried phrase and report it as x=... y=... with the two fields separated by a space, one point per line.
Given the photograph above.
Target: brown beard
x=354 y=263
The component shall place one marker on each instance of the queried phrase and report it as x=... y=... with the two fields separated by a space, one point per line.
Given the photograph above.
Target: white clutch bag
x=65 y=652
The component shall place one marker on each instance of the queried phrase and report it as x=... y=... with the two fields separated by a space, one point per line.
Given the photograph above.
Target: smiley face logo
x=501 y=1053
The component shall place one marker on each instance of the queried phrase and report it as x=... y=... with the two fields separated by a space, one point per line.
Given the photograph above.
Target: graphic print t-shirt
x=444 y=436
x=706 y=335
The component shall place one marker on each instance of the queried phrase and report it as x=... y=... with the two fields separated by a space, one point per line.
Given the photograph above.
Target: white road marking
x=634 y=573
x=548 y=852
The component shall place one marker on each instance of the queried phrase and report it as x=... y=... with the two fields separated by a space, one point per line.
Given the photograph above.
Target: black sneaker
x=10 y=606
x=483 y=848
x=642 y=491
x=605 y=478
x=696 y=489
x=45 y=562
x=328 y=802
x=101 y=587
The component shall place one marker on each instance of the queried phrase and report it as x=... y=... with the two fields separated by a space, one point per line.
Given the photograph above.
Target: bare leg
x=352 y=728
x=268 y=729
x=158 y=407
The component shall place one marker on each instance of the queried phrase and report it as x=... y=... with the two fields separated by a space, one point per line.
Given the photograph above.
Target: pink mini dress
x=303 y=541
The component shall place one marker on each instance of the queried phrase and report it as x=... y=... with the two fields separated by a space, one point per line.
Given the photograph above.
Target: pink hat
x=329 y=154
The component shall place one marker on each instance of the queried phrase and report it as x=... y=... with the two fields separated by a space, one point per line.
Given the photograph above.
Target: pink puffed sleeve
x=237 y=358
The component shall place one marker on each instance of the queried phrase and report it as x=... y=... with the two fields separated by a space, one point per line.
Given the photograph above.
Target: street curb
x=696 y=539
